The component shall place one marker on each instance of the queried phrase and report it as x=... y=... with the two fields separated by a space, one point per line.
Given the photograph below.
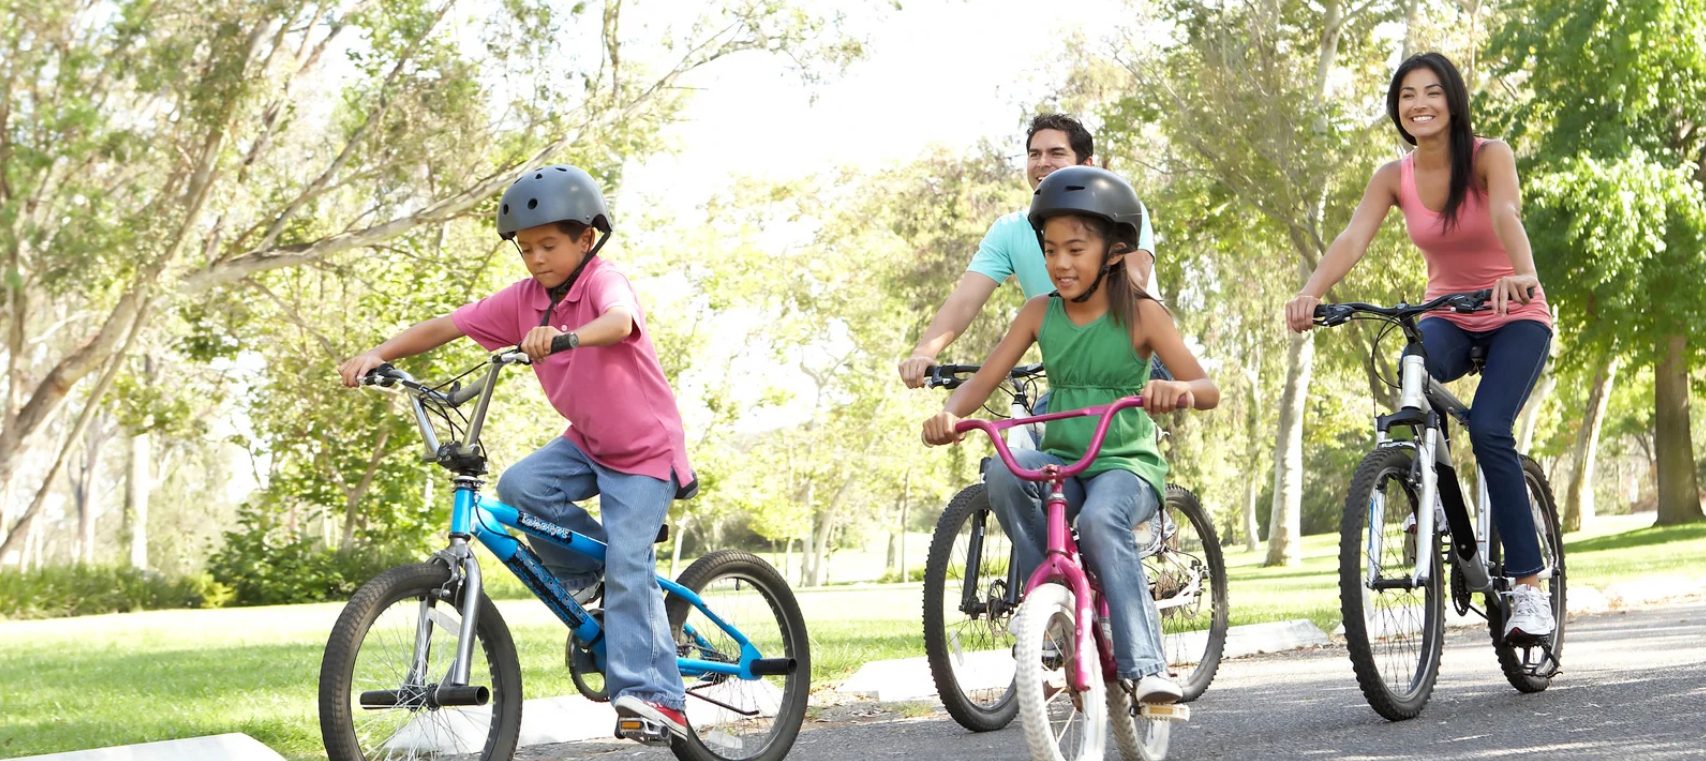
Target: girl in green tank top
x=1097 y=333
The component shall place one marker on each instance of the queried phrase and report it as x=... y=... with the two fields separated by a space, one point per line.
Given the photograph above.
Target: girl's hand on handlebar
x=537 y=344
x=1167 y=396
x=914 y=369
x=1300 y=313
x=939 y=429
x=1513 y=288
x=357 y=367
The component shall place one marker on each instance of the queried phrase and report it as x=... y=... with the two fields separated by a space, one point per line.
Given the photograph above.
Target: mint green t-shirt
x=1010 y=248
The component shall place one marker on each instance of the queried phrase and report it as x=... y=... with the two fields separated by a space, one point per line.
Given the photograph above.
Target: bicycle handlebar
x=948 y=376
x=1329 y=315
x=994 y=428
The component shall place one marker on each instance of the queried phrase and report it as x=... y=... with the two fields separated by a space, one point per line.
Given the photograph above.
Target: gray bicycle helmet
x=557 y=193
x=1090 y=191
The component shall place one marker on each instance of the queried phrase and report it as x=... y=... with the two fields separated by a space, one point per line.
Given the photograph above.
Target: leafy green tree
x=1618 y=177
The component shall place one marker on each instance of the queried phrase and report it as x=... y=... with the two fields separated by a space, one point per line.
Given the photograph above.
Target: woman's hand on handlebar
x=1300 y=313
x=1167 y=396
x=1514 y=288
x=357 y=367
x=939 y=429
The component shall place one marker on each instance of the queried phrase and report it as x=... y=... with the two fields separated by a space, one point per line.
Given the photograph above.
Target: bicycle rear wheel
x=376 y=702
x=1061 y=724
x=1187 y=577
x=1527 y=668
x=966 y=640
x=736 y=719
x=1394 y=631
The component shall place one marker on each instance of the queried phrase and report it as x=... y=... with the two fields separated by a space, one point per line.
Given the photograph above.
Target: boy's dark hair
x=1083 y=145
x=572 y=228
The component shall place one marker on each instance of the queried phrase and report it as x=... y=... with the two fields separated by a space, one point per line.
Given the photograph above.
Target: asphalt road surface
x=1633 y=687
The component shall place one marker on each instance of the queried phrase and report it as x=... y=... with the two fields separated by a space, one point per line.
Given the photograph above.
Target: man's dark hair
x=1083 y=146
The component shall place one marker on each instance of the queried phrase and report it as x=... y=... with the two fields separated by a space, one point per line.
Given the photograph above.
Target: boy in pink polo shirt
x=624 y=442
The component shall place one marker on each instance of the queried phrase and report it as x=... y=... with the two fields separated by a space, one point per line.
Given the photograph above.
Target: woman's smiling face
x=1422 y=104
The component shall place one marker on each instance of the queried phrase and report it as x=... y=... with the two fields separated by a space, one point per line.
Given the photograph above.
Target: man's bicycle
x=1404 y=504
x=972 y=587
x=421 y=663
x=1064 y=683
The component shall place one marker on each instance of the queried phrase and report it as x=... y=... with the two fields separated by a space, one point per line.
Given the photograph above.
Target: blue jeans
x=1516 y=352
x=640 y=652
x=1107 y=509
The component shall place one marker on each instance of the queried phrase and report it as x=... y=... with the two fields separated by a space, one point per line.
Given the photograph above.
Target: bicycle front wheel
x=1394 y=629
x=388 y=652
x=1187 y=577
x=1527 y=668
x=1061 y=724
x=736 y=719
x=967 y=607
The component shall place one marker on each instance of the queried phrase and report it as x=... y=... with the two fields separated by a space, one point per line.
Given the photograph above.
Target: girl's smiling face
x=1073 y=252
x=551 y=254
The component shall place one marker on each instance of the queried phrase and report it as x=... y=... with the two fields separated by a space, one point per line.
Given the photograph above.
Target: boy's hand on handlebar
x=939 y=429
x=357 y=367
x=1300 y=313
x=1514 y=288
x=537 y=344
x=1167 y=396
x=913 y=369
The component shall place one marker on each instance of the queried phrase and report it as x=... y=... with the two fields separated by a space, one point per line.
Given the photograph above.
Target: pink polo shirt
x=620 y=408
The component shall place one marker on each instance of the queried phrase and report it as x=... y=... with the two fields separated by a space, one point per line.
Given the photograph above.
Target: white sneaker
x=1155 y=689
x=1530 y=614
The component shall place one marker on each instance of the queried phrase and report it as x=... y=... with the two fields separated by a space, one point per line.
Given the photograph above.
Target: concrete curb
x=907 y=679
x=230 y=747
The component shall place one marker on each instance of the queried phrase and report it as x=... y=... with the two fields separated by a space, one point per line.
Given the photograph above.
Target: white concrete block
x=231 y=747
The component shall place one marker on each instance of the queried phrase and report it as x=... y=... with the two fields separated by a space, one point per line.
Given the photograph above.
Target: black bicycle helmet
x=1093 y=192
x=1090 y=191
x=558 y=193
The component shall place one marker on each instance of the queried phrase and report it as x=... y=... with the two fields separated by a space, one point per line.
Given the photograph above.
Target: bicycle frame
x=487 y=520
x=1061 y=562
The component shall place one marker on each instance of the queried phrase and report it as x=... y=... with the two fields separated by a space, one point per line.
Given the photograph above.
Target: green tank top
x=1090 y=365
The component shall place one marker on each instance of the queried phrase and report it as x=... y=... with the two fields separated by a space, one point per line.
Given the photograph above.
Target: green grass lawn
x=70 y=684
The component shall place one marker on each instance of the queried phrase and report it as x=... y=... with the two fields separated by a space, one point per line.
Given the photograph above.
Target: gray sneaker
x=1530 y=615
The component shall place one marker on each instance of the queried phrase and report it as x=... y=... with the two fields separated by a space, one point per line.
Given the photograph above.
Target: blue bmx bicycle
x=420 y=663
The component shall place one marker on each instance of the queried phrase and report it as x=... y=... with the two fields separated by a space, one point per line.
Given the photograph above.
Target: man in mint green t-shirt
x=1010 y=248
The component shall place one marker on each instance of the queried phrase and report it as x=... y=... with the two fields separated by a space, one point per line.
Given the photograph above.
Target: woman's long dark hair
x=1462 y=130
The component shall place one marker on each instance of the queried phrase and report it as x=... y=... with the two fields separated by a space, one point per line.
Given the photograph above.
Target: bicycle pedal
x=1174 y=712
x=640 y=730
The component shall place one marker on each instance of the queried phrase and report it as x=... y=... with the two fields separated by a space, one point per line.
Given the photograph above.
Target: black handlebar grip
x=379 y=376
x=564 y=342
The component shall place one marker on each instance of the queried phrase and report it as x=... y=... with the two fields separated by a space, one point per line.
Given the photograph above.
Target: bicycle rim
x=973 y=643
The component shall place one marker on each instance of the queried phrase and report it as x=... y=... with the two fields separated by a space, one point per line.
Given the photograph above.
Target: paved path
x=1634 y=687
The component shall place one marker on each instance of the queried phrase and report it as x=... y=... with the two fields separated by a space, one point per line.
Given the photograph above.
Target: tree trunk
x=353 y=496
x=1286 y=525
x=1252 y=445
x=83 y=494
x=680 y=539
x=1679 y=488
x=788 y=559
x=1578 y=498
x=1530 y=417
x=138 y=483
x=819 y=556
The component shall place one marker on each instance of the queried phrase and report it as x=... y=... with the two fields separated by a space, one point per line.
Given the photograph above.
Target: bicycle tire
x=743 y=567
x=1138 y=739
x=971 y=712
x=337 y=667
x=1048 y=614
x=1547 y=525
x=1185 y=505
x=1379 y=468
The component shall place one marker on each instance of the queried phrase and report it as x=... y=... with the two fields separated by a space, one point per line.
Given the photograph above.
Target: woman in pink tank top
x=1462 y=204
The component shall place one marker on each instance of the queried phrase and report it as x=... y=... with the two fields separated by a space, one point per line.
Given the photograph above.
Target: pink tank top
x=1469 y=257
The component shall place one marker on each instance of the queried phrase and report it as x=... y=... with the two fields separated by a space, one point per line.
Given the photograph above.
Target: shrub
x=84 y=590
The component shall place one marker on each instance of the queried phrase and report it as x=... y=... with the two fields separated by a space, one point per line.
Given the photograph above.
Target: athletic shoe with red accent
x=648 y=722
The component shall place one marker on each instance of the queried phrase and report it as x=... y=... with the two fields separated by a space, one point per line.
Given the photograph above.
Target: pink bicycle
x=1062 y=653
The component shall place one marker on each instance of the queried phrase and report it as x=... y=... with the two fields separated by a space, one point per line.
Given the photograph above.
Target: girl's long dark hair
x=1461 y=129
x=1123 y=294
